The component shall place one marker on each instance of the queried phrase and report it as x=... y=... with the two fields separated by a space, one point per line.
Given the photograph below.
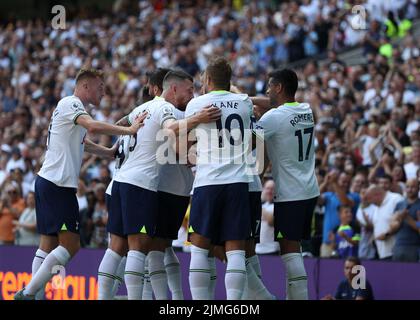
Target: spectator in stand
x=345 y=237
x=99 y=219
x=86 y=222
x=371 y=41
x=364 y=216
x=11 y=207
x=81 y=196
x=25 y=228
x=407 y=244
x=347 y=289
x=358 y=183
x=16 y=161
x=383 y=230
x=338 y=196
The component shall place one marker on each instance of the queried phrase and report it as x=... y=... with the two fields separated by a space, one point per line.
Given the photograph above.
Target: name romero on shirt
x=307 y=117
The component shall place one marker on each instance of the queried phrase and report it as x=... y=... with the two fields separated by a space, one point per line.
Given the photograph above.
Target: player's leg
x=202 y=227
x=255 y=287
x=69 y=244
x=117 y=249
x=119 y=278
x=167 y=227
x=235 y=229
x=217 y=251
x=297 y=279
x=292 y=221
x=147 y=285
x=108 y=278
x=46 y=245
x=173 y=271
x=173 y=212
x=199 y=275
x=213 y=274
x=235 y=278
x=138 y=245
x=47 y=242
x=59 y=214
x=139 y=208
x=157 y=272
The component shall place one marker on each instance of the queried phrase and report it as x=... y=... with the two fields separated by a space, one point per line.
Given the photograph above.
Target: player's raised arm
x=180 y=128
x=94 y=148
x=206 y=115
x=98 y=127
x=263 y=102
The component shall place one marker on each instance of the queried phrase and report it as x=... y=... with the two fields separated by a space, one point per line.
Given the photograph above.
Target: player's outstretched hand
x=138 y=123
x=209 y=114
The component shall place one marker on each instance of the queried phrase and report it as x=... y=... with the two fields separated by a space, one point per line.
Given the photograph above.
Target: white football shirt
x=381 y=220
x=288 y=135
x=175 y=178
x=222 y=145
x=141 y=167
x=65 y=144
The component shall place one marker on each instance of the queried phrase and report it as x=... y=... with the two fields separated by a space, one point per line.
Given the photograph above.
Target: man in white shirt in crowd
x=364 y=216
x=383 y=232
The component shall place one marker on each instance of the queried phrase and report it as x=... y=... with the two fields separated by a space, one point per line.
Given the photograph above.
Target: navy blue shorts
x=172 y=209
x=115 y=222
x=56 y=207
x=293 y=219
x=255 y=210
x=134 y=208
x=221 y=212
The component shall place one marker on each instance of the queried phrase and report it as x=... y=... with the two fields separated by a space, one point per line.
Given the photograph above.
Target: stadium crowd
x=368 y=116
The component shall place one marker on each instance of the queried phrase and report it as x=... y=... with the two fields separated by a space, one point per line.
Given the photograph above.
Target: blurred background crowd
x=367 y=136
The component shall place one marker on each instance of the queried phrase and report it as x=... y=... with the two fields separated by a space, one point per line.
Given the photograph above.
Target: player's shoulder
x=162 y=106
x=196 y=103
x=270 y=114
x=304 y=105
x=150 y=106
x=139 y=109
x=286 y=110
x=295 y=106
x=72 y=102
x=227 y=95
x=200 y=99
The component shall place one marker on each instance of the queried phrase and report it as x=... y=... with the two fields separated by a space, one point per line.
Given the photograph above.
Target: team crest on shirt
x=147 y=110
x=77 y=107
x=167 y=111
